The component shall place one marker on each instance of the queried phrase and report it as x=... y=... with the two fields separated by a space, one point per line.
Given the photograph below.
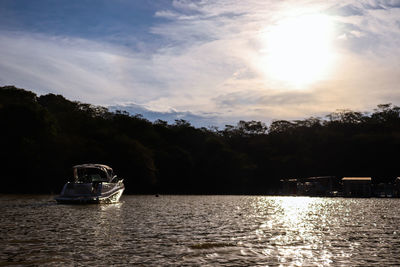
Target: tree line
x=42 y=137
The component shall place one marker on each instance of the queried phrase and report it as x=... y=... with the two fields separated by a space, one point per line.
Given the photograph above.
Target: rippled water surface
x=201 y=230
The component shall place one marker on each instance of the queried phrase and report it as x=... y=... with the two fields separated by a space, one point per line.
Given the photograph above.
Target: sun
x=298 y=50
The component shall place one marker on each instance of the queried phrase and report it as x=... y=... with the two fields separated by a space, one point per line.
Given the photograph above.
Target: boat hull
x=72 y=194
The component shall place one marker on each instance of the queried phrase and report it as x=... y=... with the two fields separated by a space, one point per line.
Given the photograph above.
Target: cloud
x=202 y=59
x=390 y=3
x=168 y=14
x=346 y=10
x=78 y=68
x=197 y=120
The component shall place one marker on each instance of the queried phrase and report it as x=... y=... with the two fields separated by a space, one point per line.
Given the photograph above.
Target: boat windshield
x=89 y=175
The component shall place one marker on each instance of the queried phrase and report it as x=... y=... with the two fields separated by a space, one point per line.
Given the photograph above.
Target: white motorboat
x=92 y=183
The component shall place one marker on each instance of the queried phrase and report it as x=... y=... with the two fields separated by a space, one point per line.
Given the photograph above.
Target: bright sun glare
x=298 y=50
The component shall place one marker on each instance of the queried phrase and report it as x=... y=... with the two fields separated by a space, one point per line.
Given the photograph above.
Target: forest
x=42 y=137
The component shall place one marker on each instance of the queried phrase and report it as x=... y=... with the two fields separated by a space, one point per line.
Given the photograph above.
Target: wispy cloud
x=170 y=116
x=77 y=68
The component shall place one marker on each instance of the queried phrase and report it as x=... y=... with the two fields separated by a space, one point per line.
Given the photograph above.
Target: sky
x=210 y=62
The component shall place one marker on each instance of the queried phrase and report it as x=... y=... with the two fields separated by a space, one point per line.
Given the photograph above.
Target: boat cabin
x=92 y=173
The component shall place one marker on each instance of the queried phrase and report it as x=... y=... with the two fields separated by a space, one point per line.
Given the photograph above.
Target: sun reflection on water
x=202 y=231
x=292 y=236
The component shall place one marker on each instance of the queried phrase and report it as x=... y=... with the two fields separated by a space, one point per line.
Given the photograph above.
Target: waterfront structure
x=318 y=186
x=289 y=187
x=396 y=187
x=357 y=186
x=311 y=186
x=383 y=190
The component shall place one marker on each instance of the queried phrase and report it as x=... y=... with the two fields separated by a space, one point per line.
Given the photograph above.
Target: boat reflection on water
x=92 y=183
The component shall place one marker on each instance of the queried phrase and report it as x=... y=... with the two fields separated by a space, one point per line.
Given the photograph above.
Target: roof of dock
x=356 y=179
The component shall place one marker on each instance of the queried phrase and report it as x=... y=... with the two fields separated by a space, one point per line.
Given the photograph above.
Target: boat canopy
x=91 y=165
x=88 y=173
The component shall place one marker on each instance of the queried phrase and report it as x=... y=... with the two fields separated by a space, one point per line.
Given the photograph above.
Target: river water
x=201 y=231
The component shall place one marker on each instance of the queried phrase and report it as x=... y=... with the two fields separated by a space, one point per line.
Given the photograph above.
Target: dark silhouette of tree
x=41 y=137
